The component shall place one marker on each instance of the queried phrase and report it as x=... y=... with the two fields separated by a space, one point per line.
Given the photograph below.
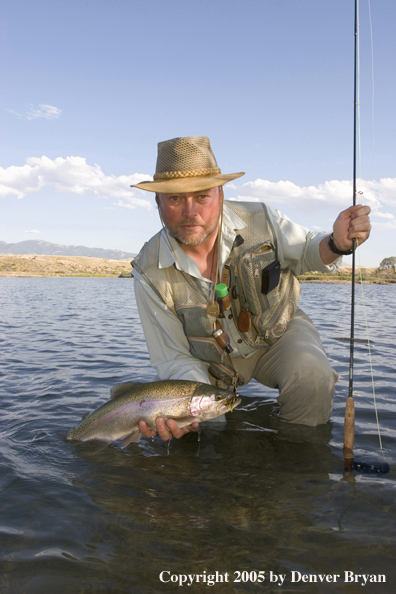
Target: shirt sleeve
x=166 y=342
x=298 y=248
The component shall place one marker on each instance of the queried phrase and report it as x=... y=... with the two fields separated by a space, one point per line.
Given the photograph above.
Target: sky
x=89 y=87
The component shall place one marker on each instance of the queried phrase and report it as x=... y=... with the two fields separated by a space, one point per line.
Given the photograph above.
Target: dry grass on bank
x=30 y=265
x=42 y=266
x=344 y=275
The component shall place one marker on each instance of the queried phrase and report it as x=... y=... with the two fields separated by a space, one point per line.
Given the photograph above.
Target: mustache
x=189 y=221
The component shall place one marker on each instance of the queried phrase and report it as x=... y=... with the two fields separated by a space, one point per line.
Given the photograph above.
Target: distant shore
x=42 y=266
x=371 y=276
x=29 y=265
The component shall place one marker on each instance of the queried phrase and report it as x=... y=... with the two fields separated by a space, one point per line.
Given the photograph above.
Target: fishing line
x=372 y=71
x=349 y=424
x=360 y=183
x=370 y=358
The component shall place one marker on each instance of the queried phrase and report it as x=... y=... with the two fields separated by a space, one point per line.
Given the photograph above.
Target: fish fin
x=184 y=421
x=133 y=437
x=119 y=389
x=98 y=445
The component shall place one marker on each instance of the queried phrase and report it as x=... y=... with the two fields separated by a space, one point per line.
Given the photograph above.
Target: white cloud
x=73 y=174
x=384 y=215
x=32 y=231
x=70 y=174
x=245 y=199
x=125 y=204
x=15 y=113
x=388 y=226
x=48 y=112
x=330 y=194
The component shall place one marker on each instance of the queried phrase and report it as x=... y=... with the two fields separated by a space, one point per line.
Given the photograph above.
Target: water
x=256 y=495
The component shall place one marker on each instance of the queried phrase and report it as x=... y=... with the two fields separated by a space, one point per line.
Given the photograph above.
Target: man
x=257 y=253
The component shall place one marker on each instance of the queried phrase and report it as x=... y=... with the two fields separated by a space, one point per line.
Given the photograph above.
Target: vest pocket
x=195 y=320
x=251 y=268
x=205 y=349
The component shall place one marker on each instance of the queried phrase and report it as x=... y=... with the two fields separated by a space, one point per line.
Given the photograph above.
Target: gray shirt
x=297 y=249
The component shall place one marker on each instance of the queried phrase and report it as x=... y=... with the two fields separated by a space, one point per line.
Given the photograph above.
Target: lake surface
x=255 y=495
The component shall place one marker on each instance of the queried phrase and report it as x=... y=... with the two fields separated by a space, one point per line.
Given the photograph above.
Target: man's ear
x=157 y=199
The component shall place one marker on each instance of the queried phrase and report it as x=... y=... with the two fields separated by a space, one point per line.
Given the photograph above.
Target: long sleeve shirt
x=297 y=249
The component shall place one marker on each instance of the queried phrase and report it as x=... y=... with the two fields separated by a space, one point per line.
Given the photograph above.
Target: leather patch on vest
x=244 y=321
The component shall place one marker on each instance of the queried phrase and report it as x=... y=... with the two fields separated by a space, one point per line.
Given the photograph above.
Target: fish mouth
x=231 y=403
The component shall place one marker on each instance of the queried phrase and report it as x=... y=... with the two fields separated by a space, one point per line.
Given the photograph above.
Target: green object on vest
x=221 y=290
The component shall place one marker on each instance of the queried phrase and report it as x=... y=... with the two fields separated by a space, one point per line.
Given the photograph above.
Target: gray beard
x=188 y=240
x=185 y=240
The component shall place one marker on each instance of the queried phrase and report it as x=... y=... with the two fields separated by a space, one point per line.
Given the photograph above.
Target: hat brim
x=187 y=184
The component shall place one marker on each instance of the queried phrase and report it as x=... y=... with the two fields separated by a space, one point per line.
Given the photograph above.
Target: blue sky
x=90 y=87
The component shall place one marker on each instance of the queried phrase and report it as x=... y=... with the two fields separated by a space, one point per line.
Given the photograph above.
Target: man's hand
x=167 y=430
x=352 y=223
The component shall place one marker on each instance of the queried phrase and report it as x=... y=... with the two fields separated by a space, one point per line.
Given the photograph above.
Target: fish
x=184 y=401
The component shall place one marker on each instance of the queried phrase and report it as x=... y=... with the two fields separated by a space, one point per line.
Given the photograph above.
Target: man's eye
x=174 y=198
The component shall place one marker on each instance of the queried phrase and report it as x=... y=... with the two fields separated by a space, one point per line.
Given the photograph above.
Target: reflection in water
x=254 y=494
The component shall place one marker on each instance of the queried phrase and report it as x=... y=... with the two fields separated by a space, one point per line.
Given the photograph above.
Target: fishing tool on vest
x=349 y=423
x=224 y=301
x=223 y=340
x=244 y=318
x=223 y=297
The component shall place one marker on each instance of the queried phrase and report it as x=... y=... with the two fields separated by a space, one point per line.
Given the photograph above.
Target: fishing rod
x=349 y=422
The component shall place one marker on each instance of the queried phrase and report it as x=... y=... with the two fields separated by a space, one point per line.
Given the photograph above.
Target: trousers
x=298 y=367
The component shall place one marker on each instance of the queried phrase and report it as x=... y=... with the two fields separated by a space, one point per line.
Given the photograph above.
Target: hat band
x=188 y=173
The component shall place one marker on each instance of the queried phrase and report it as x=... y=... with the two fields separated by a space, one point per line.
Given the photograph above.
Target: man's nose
x=190 y=208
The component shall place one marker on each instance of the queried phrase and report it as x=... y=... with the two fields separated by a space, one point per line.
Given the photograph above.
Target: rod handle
x=349 y=426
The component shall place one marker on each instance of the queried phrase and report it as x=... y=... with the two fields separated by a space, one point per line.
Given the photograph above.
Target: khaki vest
x=269 y=314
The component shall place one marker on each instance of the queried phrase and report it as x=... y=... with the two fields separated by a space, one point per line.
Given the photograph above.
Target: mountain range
x=45 y=248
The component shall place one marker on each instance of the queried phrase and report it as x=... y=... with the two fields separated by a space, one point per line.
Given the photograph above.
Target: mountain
x=45 y=248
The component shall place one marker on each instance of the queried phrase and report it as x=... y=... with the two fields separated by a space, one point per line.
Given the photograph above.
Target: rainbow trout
x=184 y=401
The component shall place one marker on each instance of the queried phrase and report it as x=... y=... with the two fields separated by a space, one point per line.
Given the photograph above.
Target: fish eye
x=219 y=397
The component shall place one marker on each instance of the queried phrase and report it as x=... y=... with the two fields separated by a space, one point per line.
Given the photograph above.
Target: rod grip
x=349 y=425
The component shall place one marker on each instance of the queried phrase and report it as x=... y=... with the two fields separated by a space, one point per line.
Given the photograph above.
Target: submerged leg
x=297 y=365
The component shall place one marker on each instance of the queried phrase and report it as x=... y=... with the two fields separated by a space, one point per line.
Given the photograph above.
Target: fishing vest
x=269 y=314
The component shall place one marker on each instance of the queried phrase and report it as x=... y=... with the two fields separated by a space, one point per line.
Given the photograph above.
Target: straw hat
x=186 y=164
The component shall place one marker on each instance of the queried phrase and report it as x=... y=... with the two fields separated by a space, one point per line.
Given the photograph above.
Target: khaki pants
x=298 y=367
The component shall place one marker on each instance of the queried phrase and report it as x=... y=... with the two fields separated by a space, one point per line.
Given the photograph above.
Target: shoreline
x=301 y=281
x=34 y=266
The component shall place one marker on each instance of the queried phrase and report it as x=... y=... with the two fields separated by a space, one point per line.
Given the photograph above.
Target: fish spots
x=141 y=403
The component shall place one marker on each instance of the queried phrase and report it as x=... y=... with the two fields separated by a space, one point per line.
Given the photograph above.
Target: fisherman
x=252 y=254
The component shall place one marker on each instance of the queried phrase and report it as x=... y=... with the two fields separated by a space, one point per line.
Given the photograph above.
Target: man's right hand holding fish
x=167 y=429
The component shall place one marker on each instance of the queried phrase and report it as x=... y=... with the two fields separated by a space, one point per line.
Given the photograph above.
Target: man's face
x=191 y=217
